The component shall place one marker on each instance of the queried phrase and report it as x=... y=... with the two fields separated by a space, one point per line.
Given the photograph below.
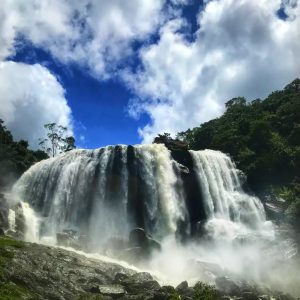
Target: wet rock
x=227 y=286
x=2 y=232
x=53 y=273
x=141 y=246
x=183 y=286
x=114 y=291
x=140 y=283
x=165 y=293
x=120 y=277
x=137 y=237
x=3 y=212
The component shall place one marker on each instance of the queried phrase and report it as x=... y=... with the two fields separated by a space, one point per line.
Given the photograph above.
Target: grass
x=11 y=291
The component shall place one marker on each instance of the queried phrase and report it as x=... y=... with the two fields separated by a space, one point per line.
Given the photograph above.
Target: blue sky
x=120 y=73
x=98 y=108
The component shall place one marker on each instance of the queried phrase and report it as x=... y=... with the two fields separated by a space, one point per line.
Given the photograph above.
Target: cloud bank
x=96 y=35
x=241 y=48
x=30 y=96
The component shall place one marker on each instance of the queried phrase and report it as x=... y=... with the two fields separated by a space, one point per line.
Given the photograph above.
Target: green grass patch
x=6 y=241
x=10 y=291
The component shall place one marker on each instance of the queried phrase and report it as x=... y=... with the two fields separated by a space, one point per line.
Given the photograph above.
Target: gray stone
x=140 y=283
x=227 y=285
x=112 y=290
x=182 y=286
x=2 y=232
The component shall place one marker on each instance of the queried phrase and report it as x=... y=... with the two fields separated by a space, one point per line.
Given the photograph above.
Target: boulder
x=140 y=283
x=227 y=285
x=185 y=292
x=182 y=286
x=143 y=243
x=113 y=290
x=137 y=237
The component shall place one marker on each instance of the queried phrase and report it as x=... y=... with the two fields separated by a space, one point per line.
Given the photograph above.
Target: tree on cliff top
x=57 y=140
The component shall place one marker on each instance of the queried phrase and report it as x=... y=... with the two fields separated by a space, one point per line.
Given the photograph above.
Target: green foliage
x=263 y=136
x=15 y=157
x=11 y=291
x=57 y=141
x=204 y=291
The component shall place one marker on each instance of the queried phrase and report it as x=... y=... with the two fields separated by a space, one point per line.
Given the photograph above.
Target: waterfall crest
x=108 y=191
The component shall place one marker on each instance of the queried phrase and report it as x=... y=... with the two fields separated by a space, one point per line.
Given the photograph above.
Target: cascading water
x=230 y=211
x=106 y=192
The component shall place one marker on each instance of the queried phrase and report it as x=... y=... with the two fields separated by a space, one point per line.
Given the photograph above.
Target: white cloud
x=30 y=96
x=241 y=48
x=96 y=34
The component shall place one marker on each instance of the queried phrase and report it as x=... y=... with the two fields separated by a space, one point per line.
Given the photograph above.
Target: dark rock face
x=3 y=212
x=141 y=246
x=191 y=187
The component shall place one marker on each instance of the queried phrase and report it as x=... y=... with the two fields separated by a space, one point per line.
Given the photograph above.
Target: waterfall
x=106 y=192
x=31 y=223
x=230 y=211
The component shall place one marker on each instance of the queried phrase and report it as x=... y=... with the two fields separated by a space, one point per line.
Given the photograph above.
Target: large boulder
x=140 y=284
x=141 y=246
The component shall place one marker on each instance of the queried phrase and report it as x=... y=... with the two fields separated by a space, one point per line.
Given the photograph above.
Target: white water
x=87 y=191
x=163 y=195
x=12 y=220
x=31 y=223
x=231 y=212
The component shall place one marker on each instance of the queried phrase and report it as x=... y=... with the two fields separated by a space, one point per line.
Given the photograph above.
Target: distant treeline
x=263 y=137
x=15 y=157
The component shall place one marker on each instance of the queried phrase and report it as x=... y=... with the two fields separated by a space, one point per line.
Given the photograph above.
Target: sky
x=120 y=72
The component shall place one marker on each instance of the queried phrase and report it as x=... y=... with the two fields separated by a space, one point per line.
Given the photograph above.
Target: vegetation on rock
x=15 y=157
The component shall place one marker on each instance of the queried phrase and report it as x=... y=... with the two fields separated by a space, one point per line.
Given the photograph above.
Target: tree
x=57 y=140
x=15 y=157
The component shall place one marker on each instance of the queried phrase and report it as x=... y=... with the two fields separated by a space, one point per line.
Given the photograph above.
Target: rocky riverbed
x=33 y=271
